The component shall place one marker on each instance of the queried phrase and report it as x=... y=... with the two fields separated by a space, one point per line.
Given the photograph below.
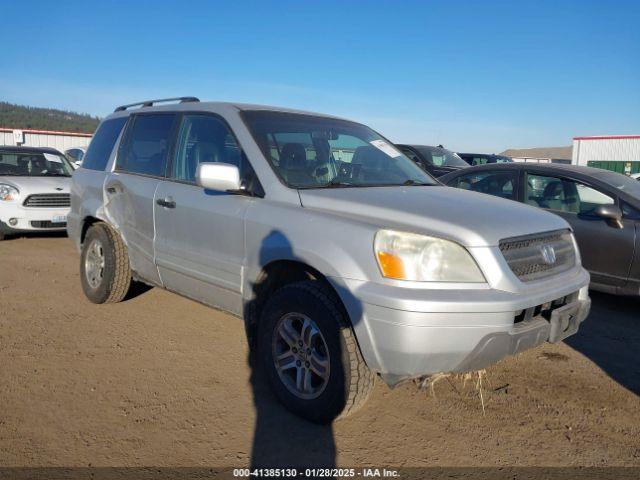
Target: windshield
x=621 y=182
x=441 y=157
x=34 y=164
x=318 y=152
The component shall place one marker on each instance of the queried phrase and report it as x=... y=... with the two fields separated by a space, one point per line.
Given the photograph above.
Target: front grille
x=48 y=200
x=47 y=224
x=526 y=255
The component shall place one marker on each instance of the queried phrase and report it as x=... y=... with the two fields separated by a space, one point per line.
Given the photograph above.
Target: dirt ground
x=161 y=380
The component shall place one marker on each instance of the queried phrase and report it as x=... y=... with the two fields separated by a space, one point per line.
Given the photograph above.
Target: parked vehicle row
x=345 y=259
x=343 y=254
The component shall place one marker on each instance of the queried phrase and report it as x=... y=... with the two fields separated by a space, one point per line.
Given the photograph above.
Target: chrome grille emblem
x=548 y=254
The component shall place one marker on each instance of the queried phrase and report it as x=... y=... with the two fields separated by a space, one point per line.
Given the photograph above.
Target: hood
x=30 y=185
x=469 y=218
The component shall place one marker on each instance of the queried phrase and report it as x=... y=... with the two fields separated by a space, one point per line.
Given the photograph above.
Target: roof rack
x=151 y=103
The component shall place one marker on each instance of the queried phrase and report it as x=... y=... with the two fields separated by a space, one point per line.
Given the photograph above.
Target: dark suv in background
x=435 y=160
x=484 y=158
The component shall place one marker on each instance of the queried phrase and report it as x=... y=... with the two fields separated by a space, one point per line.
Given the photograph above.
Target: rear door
x=130 y=189
x=200 y=245
x=87 y=182
x=606 y=251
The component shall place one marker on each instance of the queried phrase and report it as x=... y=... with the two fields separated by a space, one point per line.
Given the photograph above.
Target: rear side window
x=146 y=147
x=102 y=144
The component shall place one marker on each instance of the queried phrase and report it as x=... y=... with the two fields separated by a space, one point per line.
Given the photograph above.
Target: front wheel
x=105 y=272
x=310 y=353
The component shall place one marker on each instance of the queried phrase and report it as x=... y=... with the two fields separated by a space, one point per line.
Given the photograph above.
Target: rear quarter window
x=102 y=144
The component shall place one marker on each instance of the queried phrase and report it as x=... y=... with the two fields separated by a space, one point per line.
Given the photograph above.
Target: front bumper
x=409 y=334
x=31 y=219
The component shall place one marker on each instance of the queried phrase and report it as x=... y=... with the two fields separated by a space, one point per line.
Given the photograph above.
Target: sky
x=471 y=75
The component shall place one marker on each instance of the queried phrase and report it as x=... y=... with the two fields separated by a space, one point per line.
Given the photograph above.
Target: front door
x=199 y=233
x=606 y=250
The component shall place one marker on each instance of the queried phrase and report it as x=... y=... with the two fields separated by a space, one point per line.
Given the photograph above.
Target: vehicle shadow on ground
x=610 y=337
x=136 y=289
x=281 y=439
x=39 y=234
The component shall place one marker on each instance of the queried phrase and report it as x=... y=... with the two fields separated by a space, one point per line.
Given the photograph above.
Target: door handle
x=111 y=190
x=167 y=202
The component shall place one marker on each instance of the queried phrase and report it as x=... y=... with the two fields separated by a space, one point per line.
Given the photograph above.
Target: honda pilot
x=346 y=261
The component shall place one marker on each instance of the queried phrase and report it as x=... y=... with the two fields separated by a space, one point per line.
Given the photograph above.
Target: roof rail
x=151 y=103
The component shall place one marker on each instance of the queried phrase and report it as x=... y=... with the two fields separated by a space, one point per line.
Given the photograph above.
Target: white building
x=43 y=138
x=613 y=152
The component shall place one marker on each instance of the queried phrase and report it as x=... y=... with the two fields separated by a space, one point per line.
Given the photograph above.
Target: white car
x=34 y=190
x=636 y=176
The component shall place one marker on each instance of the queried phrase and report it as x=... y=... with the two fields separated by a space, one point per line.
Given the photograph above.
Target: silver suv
x=345 y=260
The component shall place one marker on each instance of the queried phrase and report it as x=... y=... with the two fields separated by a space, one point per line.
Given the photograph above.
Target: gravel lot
x=160 y=380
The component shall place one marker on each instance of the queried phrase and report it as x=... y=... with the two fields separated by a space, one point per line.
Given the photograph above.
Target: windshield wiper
x=418 y=183
x=335 y=183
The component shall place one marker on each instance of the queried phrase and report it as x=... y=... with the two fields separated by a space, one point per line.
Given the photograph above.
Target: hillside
x=20 y=116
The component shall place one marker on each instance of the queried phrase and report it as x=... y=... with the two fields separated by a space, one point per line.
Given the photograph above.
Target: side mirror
x=611 y=213
x=218 y=176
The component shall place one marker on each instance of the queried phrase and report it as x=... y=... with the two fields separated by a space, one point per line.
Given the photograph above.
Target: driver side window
x=208 y=139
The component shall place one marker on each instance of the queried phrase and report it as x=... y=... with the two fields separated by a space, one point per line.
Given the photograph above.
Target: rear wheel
x=105 y=272
x=310 y=353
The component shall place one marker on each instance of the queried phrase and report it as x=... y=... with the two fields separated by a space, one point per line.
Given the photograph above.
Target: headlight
x=8 y=192
x=408 y=256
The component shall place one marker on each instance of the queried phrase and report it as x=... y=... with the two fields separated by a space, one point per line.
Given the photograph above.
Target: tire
x=348 y=382
x=109 y=283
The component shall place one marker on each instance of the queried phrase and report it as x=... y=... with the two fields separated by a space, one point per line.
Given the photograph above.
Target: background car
x=75 y=155
x=484 y=158
x=602 y=207
x=34 y=190
x=435 y=160
x=636 y=176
